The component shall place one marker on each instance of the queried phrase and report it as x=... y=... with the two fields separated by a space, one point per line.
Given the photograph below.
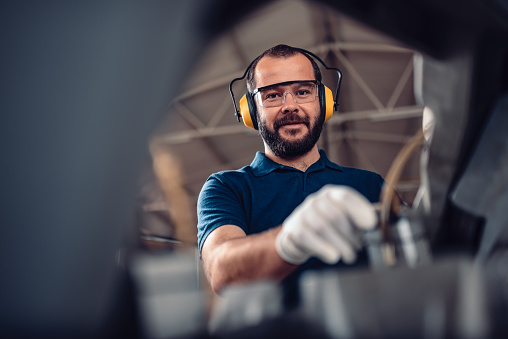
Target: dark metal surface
x=483 y=188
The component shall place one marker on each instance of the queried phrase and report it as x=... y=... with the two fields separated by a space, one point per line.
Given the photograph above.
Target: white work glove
x=326 y=225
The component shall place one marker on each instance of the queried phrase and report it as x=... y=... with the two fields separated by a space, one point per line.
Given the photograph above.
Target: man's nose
x=289 y=102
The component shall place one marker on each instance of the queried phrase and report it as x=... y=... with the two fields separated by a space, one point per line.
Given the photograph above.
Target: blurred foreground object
x=246 y=305
x=444 y=300
x=483 y=188
x=170 y=299
x=82 y=86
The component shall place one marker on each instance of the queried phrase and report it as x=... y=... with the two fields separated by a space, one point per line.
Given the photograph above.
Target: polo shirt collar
x=327 y=162
x=262 y=165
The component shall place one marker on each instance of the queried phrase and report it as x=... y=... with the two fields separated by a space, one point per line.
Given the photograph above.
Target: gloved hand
x=326 y=225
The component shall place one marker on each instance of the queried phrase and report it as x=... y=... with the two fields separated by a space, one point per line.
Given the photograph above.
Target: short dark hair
x=279 y=51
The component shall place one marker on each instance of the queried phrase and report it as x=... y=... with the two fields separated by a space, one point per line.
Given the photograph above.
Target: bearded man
x=292 y=209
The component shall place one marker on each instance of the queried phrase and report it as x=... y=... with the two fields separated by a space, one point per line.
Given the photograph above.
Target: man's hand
x=326 y=225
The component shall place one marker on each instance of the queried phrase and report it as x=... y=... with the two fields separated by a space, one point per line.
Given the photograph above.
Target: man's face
x=291 y=129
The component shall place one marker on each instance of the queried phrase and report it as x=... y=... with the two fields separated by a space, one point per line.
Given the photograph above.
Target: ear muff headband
x=248 y=109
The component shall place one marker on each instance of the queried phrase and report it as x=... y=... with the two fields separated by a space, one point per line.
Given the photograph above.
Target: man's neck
x=301 y=163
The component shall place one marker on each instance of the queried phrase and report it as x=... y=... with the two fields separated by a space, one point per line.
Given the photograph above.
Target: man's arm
x=326 y=225
x=231 y=256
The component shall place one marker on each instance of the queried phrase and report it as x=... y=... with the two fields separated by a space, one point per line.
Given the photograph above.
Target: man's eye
x=269 y=96
x=302 y=92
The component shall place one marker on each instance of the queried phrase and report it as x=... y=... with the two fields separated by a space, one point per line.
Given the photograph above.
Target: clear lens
x=275 y=96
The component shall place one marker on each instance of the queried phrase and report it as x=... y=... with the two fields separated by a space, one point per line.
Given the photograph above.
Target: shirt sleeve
x=219 y=203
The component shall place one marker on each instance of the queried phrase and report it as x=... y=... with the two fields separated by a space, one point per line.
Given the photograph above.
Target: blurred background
x=113 y=114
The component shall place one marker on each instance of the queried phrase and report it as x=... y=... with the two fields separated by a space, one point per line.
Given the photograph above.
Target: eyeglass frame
x=258 y=90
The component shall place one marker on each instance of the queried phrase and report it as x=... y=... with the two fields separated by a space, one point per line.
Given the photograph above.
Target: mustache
x=290 y=119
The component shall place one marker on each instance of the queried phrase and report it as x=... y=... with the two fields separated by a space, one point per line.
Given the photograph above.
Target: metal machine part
x=245 y=305
x=408 y=245
x=170 y=300
x=442 y=300
x=483 y=188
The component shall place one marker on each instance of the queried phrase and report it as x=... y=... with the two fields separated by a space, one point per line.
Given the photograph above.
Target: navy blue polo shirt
x=261 y=196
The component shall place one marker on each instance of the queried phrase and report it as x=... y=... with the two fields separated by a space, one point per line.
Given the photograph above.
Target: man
x=279 y=216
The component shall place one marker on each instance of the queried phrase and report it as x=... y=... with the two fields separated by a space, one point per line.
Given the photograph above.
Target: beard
x=287 y=149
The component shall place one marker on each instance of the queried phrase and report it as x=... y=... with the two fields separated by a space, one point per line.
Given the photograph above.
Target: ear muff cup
x=326 y=101
x=248 y=111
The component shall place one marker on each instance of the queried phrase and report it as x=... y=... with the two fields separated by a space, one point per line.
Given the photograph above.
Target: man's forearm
x=246 y=258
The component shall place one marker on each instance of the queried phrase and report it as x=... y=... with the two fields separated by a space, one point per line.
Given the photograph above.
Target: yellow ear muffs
x=248 y=106
x=326 y=101
x=248 y=111
x=329 y=103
